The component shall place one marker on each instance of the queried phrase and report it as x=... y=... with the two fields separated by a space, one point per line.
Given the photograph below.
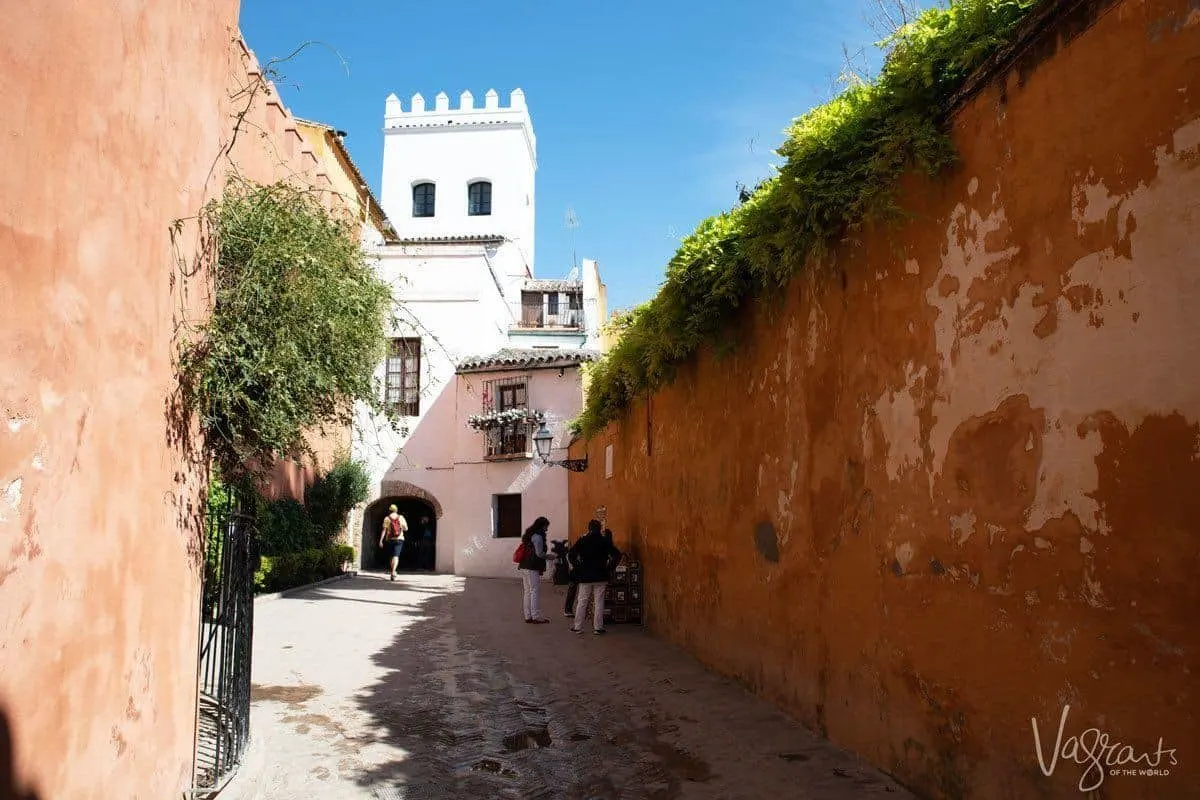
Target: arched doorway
x=420 y=548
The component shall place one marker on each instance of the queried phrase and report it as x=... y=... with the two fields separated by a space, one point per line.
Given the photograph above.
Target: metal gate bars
x=226 y=633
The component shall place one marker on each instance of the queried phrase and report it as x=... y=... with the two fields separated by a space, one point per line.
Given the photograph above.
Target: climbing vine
x=297 y=327
x=841 y=165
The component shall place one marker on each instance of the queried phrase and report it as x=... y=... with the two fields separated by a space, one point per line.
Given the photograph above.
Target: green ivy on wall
x=297 y=328
x=841 y=165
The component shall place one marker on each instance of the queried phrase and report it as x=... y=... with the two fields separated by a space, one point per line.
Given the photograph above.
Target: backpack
x=521 y=552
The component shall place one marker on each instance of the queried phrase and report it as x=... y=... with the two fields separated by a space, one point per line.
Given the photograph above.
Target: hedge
x=278 y=573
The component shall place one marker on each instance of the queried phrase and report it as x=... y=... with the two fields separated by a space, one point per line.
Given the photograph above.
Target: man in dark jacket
x=593 y=558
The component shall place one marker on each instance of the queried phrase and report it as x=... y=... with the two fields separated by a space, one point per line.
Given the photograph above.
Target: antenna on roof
x=572 y=226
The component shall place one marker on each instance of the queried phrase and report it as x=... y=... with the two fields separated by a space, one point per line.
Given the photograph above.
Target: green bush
x=290 y=570
x=841 y=165
x=284 y=527
x=331 y=497
x=297 y=329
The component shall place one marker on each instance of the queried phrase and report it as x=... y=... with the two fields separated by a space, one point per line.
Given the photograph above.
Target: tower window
x=479 y=199
x=423 y=197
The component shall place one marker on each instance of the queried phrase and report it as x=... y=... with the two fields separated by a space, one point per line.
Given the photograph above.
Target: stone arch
x=406 y=489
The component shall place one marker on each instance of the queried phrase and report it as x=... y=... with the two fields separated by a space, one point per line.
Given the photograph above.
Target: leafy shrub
x=284 y=527
x=290 y=570
x=287 y=526
x=297 y=328
x=842 y=162
x=330 y=497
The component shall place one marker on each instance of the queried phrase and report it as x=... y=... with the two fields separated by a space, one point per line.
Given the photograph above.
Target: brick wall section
x=950 y=481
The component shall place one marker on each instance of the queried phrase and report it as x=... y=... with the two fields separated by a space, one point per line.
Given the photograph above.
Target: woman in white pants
x=532 y=566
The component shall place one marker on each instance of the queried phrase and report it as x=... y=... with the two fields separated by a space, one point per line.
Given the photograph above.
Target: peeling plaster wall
x=112 y=116
x=961 y=488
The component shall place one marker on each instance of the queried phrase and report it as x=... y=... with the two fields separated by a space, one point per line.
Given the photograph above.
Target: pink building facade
x=481 y=489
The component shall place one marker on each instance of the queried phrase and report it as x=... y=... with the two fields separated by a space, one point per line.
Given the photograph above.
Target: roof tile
x=521 y=358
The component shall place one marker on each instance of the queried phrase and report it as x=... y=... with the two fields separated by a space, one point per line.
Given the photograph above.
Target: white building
x=459 y=188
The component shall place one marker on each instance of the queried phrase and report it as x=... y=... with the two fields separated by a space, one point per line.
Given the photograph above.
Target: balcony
x=509 y=443
x=534 y=318
x=506 y=421
x=560 y=309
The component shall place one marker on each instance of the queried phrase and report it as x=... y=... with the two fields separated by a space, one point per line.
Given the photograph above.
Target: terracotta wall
x=134 y=126
x=951 y=482
x=112 y=116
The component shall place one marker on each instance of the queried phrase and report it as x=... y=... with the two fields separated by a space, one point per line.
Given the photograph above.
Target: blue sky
x=647 y=114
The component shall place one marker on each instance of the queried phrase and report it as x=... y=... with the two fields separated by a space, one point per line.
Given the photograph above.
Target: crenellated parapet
x=419 y=113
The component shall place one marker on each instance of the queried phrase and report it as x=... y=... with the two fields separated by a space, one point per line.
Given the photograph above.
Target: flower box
x=509 y=418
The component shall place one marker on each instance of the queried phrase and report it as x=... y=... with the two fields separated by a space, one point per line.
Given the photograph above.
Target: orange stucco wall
x=112 y=116
x=118 y=120
x=950 y=483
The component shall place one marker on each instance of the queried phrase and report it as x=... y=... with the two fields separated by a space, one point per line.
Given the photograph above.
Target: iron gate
x=226 y=634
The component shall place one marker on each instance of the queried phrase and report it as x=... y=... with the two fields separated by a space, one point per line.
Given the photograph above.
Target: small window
x=552 y=304
x=404 y=377
x=531 y=309
x=506 y=513
x=512 y=395
x=423 y=200
x=479 y=199
x=511 y=440
x=574 y=315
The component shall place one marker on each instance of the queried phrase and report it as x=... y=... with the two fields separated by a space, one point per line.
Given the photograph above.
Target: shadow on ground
x=488 y=707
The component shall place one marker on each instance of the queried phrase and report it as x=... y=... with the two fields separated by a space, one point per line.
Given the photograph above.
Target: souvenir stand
x=623 y=596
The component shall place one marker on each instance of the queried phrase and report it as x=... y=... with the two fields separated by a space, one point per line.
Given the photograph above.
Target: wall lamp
x=543 y=440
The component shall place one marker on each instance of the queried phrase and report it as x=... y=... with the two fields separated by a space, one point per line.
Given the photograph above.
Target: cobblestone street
x=433 y=687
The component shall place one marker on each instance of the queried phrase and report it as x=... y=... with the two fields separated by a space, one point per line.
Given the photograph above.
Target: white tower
x=462 y=172
x=458 y=187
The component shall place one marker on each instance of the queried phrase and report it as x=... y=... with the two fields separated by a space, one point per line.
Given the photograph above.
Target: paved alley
x=433 y=688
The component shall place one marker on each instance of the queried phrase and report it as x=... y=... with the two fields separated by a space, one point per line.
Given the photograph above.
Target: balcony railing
x=509 y=442
x=537 y=317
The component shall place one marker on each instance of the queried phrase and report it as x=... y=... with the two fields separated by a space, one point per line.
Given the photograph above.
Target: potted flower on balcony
x=508 y=418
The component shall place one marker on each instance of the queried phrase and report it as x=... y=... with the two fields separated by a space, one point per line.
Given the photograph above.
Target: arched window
x=423 y=195
x=479 y=199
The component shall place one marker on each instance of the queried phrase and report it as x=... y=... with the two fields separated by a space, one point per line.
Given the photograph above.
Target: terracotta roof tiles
x=521 y=358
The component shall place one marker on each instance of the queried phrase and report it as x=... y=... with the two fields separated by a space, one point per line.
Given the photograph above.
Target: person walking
x=391 y=538
x=593 y=558
x=532 y=566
